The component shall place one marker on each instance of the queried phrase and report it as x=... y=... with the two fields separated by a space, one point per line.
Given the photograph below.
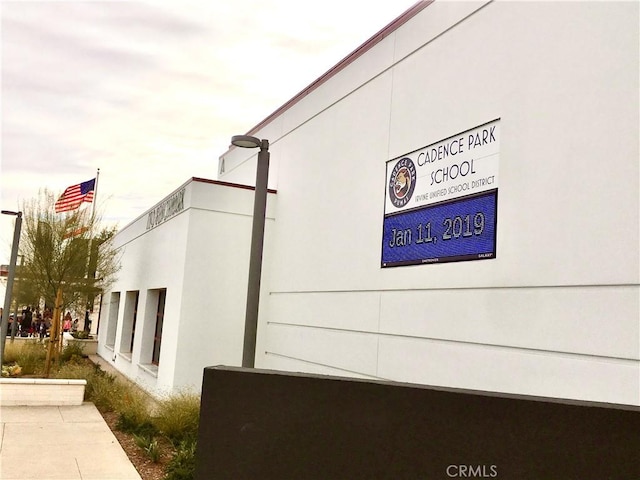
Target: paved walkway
x=60 y=443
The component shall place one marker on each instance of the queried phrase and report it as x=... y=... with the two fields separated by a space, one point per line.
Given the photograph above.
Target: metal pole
x=12 y=272
x=255 y=259
x=14 y=325
x=95 y=197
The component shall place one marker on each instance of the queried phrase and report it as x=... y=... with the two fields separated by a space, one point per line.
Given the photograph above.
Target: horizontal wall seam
x=442 y=289
x=530 y=350
x=226 y=212
x=352 y=372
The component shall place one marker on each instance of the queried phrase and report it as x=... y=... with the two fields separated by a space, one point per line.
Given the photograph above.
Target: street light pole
x=257 y=242
x=14 y=324
x=12 y=273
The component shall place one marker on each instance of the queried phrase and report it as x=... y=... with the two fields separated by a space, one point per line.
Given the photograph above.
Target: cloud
x=150 y=92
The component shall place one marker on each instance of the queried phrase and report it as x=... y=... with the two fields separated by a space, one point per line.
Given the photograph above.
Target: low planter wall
x=41 y=391
x=90 y=345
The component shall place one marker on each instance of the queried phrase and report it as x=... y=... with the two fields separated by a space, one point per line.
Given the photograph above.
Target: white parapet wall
x=37 y=392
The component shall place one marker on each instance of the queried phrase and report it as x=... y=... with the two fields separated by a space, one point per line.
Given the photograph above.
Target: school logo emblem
x=402 y=182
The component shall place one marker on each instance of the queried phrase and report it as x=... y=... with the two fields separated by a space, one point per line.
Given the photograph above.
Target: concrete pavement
x=60 y=443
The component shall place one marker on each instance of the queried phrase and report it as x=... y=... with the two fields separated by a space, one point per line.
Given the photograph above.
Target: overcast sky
x=150 y=92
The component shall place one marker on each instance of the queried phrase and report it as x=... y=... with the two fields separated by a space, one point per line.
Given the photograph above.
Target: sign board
x=441 y=201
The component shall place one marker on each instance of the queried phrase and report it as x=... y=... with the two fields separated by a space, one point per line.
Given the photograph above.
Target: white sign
x=463 y=164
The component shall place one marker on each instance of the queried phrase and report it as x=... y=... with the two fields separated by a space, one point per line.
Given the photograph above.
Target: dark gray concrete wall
x=274 y=425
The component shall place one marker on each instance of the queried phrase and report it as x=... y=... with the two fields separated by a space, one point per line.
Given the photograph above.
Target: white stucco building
x=183 y=277
x=506 y=131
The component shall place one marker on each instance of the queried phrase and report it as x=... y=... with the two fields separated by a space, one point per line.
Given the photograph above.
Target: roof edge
x=342 y=64
x=228 y=184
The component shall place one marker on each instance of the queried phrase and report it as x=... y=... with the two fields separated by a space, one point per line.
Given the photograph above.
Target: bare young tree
x=66 y=250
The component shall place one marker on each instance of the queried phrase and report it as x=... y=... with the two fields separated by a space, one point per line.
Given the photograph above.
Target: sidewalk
x=60 y=443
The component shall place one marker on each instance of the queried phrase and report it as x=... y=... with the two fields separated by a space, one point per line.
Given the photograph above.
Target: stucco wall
x=557 y=312
x=150 y=259
x=200 y=256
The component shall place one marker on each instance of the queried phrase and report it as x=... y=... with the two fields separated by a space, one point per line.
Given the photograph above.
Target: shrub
x=178 y=417
x=31 y=357
x=102 y=388
x=70 y=350
x=149 y=445
x=183 y=464
x=75 y=370
x=133 y=413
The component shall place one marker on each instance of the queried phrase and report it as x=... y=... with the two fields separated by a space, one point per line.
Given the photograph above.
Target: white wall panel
x=509 y=370
x=277 y=362
x=330 y=195
x=349 y=351
x=215 y=288
x=566 y=176
x=358 y=311
x=587 y=320
x=354 y=76
x=211 y=326
x=438 y=17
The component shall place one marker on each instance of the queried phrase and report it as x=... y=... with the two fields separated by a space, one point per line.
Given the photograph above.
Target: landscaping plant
x=149 y=445
x=30 y=356
x=133 y=413
x=70 y=350
x=183 y=464
x=178 y=416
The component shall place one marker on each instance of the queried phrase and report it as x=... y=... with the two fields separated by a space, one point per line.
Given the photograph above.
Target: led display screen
x=458 y=230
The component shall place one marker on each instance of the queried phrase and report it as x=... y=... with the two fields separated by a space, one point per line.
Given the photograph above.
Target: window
x=112 y=326
x=157 y=338
x=129 y=321
x=133 y=324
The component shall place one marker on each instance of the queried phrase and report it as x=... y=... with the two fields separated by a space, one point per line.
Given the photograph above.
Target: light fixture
x=245 y=141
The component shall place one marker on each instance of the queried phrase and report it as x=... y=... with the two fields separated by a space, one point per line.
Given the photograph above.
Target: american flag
x=74 y=195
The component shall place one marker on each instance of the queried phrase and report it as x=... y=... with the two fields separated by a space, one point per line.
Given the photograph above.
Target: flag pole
x=95 y=196
x=89 y=307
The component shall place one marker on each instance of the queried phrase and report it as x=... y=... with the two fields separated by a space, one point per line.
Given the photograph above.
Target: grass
x=30 y=355
x=178 y=417
x=134 y=414
x=102 y=388
x=71 y=349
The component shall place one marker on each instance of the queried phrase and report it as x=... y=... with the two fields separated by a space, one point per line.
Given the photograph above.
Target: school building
x=456 y=203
